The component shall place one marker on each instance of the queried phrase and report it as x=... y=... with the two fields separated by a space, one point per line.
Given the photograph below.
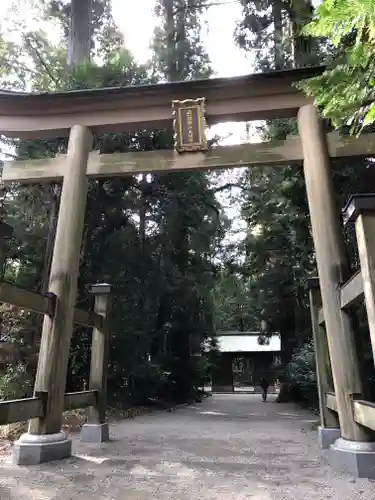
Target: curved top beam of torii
x=252 y=97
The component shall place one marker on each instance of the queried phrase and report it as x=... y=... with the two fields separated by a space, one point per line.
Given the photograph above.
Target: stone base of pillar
x=95 y=433
x=327 y=436
x=33 y=449
x=355 y=458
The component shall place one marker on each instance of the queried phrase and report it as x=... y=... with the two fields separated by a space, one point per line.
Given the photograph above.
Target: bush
x=15 y=382
x=149 y=381
x=301 y=376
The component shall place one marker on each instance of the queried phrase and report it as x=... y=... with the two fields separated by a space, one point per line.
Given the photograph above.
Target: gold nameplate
x=189 y=124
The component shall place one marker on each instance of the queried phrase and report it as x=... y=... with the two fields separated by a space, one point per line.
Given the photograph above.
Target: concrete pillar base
x=32 y=449
x=327 y=436
x=95 y=433
x=355 y=458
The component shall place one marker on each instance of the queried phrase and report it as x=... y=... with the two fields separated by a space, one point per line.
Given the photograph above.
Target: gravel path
x=230 y=447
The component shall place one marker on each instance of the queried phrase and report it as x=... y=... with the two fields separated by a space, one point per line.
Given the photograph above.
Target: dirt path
x=230 y=447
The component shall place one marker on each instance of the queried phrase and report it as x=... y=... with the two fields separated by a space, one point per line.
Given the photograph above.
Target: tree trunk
x=278 y=33
x=79 y=45
x=55 y=192
x=300 y=14
x=171 y=37
x=142 y=213
x=80 y=33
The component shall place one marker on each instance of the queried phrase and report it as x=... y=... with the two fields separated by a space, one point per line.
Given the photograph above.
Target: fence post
x=329 y=429
x=96 y=430
x=360 y=210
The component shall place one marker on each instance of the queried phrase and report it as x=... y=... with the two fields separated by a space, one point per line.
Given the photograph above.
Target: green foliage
x=235 y=305
x=15 y=382
x=264 y=286
x=11 y=63
x=301 y=375
x=345 y=91
x=105 y=34
x=272 y=30
x=153 y=236
x=279 y=247
x=178 y=49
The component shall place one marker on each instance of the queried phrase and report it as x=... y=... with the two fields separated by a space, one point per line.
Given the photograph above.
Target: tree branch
x=11 y=155
x=41 y=60
x=227 y=186
x=202 y=5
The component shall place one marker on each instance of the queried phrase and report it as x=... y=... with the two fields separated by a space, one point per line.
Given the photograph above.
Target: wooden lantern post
x=96 y=430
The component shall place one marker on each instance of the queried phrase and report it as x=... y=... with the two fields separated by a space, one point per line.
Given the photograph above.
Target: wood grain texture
x=87 y=318
x=26 y=299
x=43 y=304
x=352 y=291
x=323 y=363
x=19 y=410
x=332 y=267
x=56 y=334
x=321 y=316
x=99 y=359
x=259 y=96
x=276 y=152
x=365 y=233
x=364 y=413
x=76 y=400
x=331 y=402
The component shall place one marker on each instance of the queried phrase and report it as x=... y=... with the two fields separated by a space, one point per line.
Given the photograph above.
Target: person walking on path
x=264 y=384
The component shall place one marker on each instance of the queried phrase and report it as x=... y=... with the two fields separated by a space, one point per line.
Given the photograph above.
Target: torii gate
x=79 y=114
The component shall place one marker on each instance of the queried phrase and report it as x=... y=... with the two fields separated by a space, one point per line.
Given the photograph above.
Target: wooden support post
x=332 y=269
x=323 y=364
x=96 y=430
x=329 y=429
x=360 y=209
x=57 y=330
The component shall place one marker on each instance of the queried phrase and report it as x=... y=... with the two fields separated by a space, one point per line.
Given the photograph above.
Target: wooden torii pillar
x=45 y=441
x=356 y=447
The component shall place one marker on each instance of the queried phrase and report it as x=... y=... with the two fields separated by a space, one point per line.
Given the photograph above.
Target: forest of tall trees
x=159 y=239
